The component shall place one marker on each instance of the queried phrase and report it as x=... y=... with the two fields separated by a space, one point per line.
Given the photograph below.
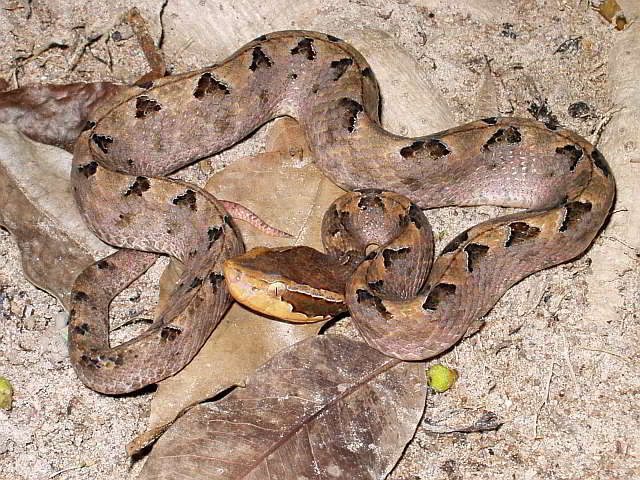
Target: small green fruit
x=6 y=394
x=441 y=378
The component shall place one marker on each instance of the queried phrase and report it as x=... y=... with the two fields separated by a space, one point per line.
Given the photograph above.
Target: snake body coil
x=120 y=183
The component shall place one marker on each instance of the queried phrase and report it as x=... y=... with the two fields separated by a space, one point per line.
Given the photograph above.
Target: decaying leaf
x=53 y=114
x=241 y=342
x=329 y=407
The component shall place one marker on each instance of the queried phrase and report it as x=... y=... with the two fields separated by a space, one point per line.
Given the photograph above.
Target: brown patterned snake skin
x=119 y=180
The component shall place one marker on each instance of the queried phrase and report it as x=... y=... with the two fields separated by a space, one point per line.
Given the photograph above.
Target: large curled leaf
x=329 y=407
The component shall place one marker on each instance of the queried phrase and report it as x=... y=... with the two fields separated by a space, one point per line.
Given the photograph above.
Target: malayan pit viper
x=146 y=132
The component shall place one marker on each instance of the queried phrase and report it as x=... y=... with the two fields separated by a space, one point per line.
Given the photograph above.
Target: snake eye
x=276 y=289
x=371 y=249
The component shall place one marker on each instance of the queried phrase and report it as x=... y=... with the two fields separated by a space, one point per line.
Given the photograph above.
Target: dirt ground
x=557 y=361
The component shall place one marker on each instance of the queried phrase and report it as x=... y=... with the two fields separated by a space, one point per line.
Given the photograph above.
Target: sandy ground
x=562 y=381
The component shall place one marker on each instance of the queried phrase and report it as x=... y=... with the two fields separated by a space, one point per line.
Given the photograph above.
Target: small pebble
x=15 y=308
x=579 y=110
x=441 y=378
x=30 y=322
x=60 y=320
x=6 y=394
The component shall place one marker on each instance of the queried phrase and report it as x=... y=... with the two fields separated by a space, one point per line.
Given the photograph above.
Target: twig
x=544 y=402
x=14 y=75
x=154 y=57
x=54 y=42
x=132 y=321
x=618 y=210
x=606 y=118
x=568 y=360
x=92 y=37
x=633 y=249
x=617 y=355
x=463 y=420
x=161 y=20
x=77 y=467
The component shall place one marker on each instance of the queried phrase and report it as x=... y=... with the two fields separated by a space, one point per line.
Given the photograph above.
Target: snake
x=400 y=303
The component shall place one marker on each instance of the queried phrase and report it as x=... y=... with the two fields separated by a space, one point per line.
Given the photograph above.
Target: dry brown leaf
x=39 y=210
x=38 y=207
x=329 y=407
x=289 y=193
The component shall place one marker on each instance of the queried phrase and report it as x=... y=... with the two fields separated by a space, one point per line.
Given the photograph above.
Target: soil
x=562 y=381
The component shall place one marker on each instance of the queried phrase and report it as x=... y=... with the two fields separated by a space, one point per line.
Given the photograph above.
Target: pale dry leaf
x=39 y=210
x=329 y=407
x=38 y=207
x=412 y=104
x=616 y=252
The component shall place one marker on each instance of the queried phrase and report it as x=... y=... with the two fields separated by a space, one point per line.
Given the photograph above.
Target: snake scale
x=121 y=184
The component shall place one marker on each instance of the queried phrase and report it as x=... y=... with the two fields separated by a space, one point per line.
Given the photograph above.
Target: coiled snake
x=147 y=132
